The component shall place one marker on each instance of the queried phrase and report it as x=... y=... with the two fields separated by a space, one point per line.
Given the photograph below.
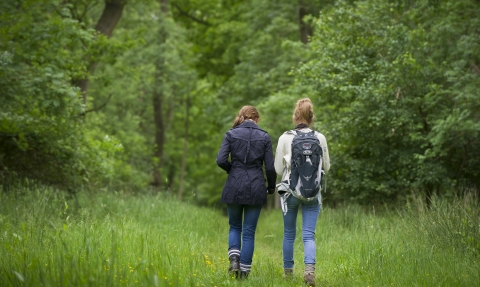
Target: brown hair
x=246 y=113
x=303 y=112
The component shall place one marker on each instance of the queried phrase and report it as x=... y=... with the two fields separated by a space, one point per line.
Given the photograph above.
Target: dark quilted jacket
x=249 y=148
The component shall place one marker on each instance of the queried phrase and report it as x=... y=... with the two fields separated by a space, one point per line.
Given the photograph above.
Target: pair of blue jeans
x=310 y=213
x=241 y=236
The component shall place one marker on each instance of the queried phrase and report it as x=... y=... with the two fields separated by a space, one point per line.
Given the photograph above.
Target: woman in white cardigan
x=302 y=118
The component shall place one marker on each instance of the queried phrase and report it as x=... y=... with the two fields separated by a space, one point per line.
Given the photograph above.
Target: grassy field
x=109 y=239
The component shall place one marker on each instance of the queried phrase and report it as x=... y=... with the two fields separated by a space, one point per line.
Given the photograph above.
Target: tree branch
x=99 y=107
x=184 y=13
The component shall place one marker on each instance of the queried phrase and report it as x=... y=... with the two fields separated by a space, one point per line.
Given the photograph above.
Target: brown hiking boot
x=309 y=279
x=309 y=275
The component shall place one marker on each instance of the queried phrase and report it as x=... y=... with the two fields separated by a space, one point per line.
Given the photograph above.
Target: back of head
x=246 y=113
x=303 y=112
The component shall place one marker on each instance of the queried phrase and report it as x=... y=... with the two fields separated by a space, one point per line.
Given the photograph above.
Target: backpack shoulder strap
x=292 y=132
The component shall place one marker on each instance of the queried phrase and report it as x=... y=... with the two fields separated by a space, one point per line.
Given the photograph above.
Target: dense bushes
x=41 y=125
x=396 y=85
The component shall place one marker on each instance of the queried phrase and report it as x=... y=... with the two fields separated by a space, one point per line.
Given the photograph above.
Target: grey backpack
x=306 y=175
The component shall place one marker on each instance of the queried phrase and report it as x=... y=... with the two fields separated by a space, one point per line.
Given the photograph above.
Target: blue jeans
x=242 y=236
x=310 y=212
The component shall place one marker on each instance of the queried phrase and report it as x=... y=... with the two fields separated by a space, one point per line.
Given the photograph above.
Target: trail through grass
x=109 y=239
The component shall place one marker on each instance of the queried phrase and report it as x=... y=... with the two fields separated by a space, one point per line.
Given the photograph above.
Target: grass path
x=117 y=240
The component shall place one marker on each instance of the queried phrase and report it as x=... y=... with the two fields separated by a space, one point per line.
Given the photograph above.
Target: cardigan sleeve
x=326 y=156
x=281 y=152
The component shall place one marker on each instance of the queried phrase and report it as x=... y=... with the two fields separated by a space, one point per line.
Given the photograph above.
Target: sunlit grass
x=109 y=239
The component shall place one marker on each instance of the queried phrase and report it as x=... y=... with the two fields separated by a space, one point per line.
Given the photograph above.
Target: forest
x=136 y=96
x=112 y=113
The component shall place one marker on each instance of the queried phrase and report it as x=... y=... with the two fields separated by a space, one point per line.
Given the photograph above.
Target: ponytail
x=238 y=120
x=303 y=112
x=246 y=113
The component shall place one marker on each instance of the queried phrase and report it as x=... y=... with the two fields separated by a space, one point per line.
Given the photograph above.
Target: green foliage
x=394 y=85
x=397 y=88
x=245 y=52
x=41 y=133
x=125 y=90
x=218 y=66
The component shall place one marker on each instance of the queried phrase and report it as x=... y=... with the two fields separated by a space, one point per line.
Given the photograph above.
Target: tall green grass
x=110 y=239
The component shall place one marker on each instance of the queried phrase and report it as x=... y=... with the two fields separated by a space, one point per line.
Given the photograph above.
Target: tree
x=150 y=80
x=185 y=149
x=232 y=40
x=159 y=96
x=41 y=135
x=111 y=14
x=395 y=82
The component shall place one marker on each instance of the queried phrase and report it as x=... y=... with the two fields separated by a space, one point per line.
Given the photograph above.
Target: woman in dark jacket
x=249 y=147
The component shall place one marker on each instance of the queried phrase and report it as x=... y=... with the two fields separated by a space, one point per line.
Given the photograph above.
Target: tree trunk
x=110 y=16
x=170 y=177
x=306 y=30
x=164 y=7
x=185 y=145
x=159 y=136
x=105 y=25
x=158 y=101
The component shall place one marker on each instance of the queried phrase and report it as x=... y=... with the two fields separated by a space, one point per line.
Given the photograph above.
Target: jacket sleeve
x=223 y=154
x=269 y=166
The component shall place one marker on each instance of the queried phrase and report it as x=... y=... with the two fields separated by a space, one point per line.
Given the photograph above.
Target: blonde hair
x=246 y=113
x=303 y=112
